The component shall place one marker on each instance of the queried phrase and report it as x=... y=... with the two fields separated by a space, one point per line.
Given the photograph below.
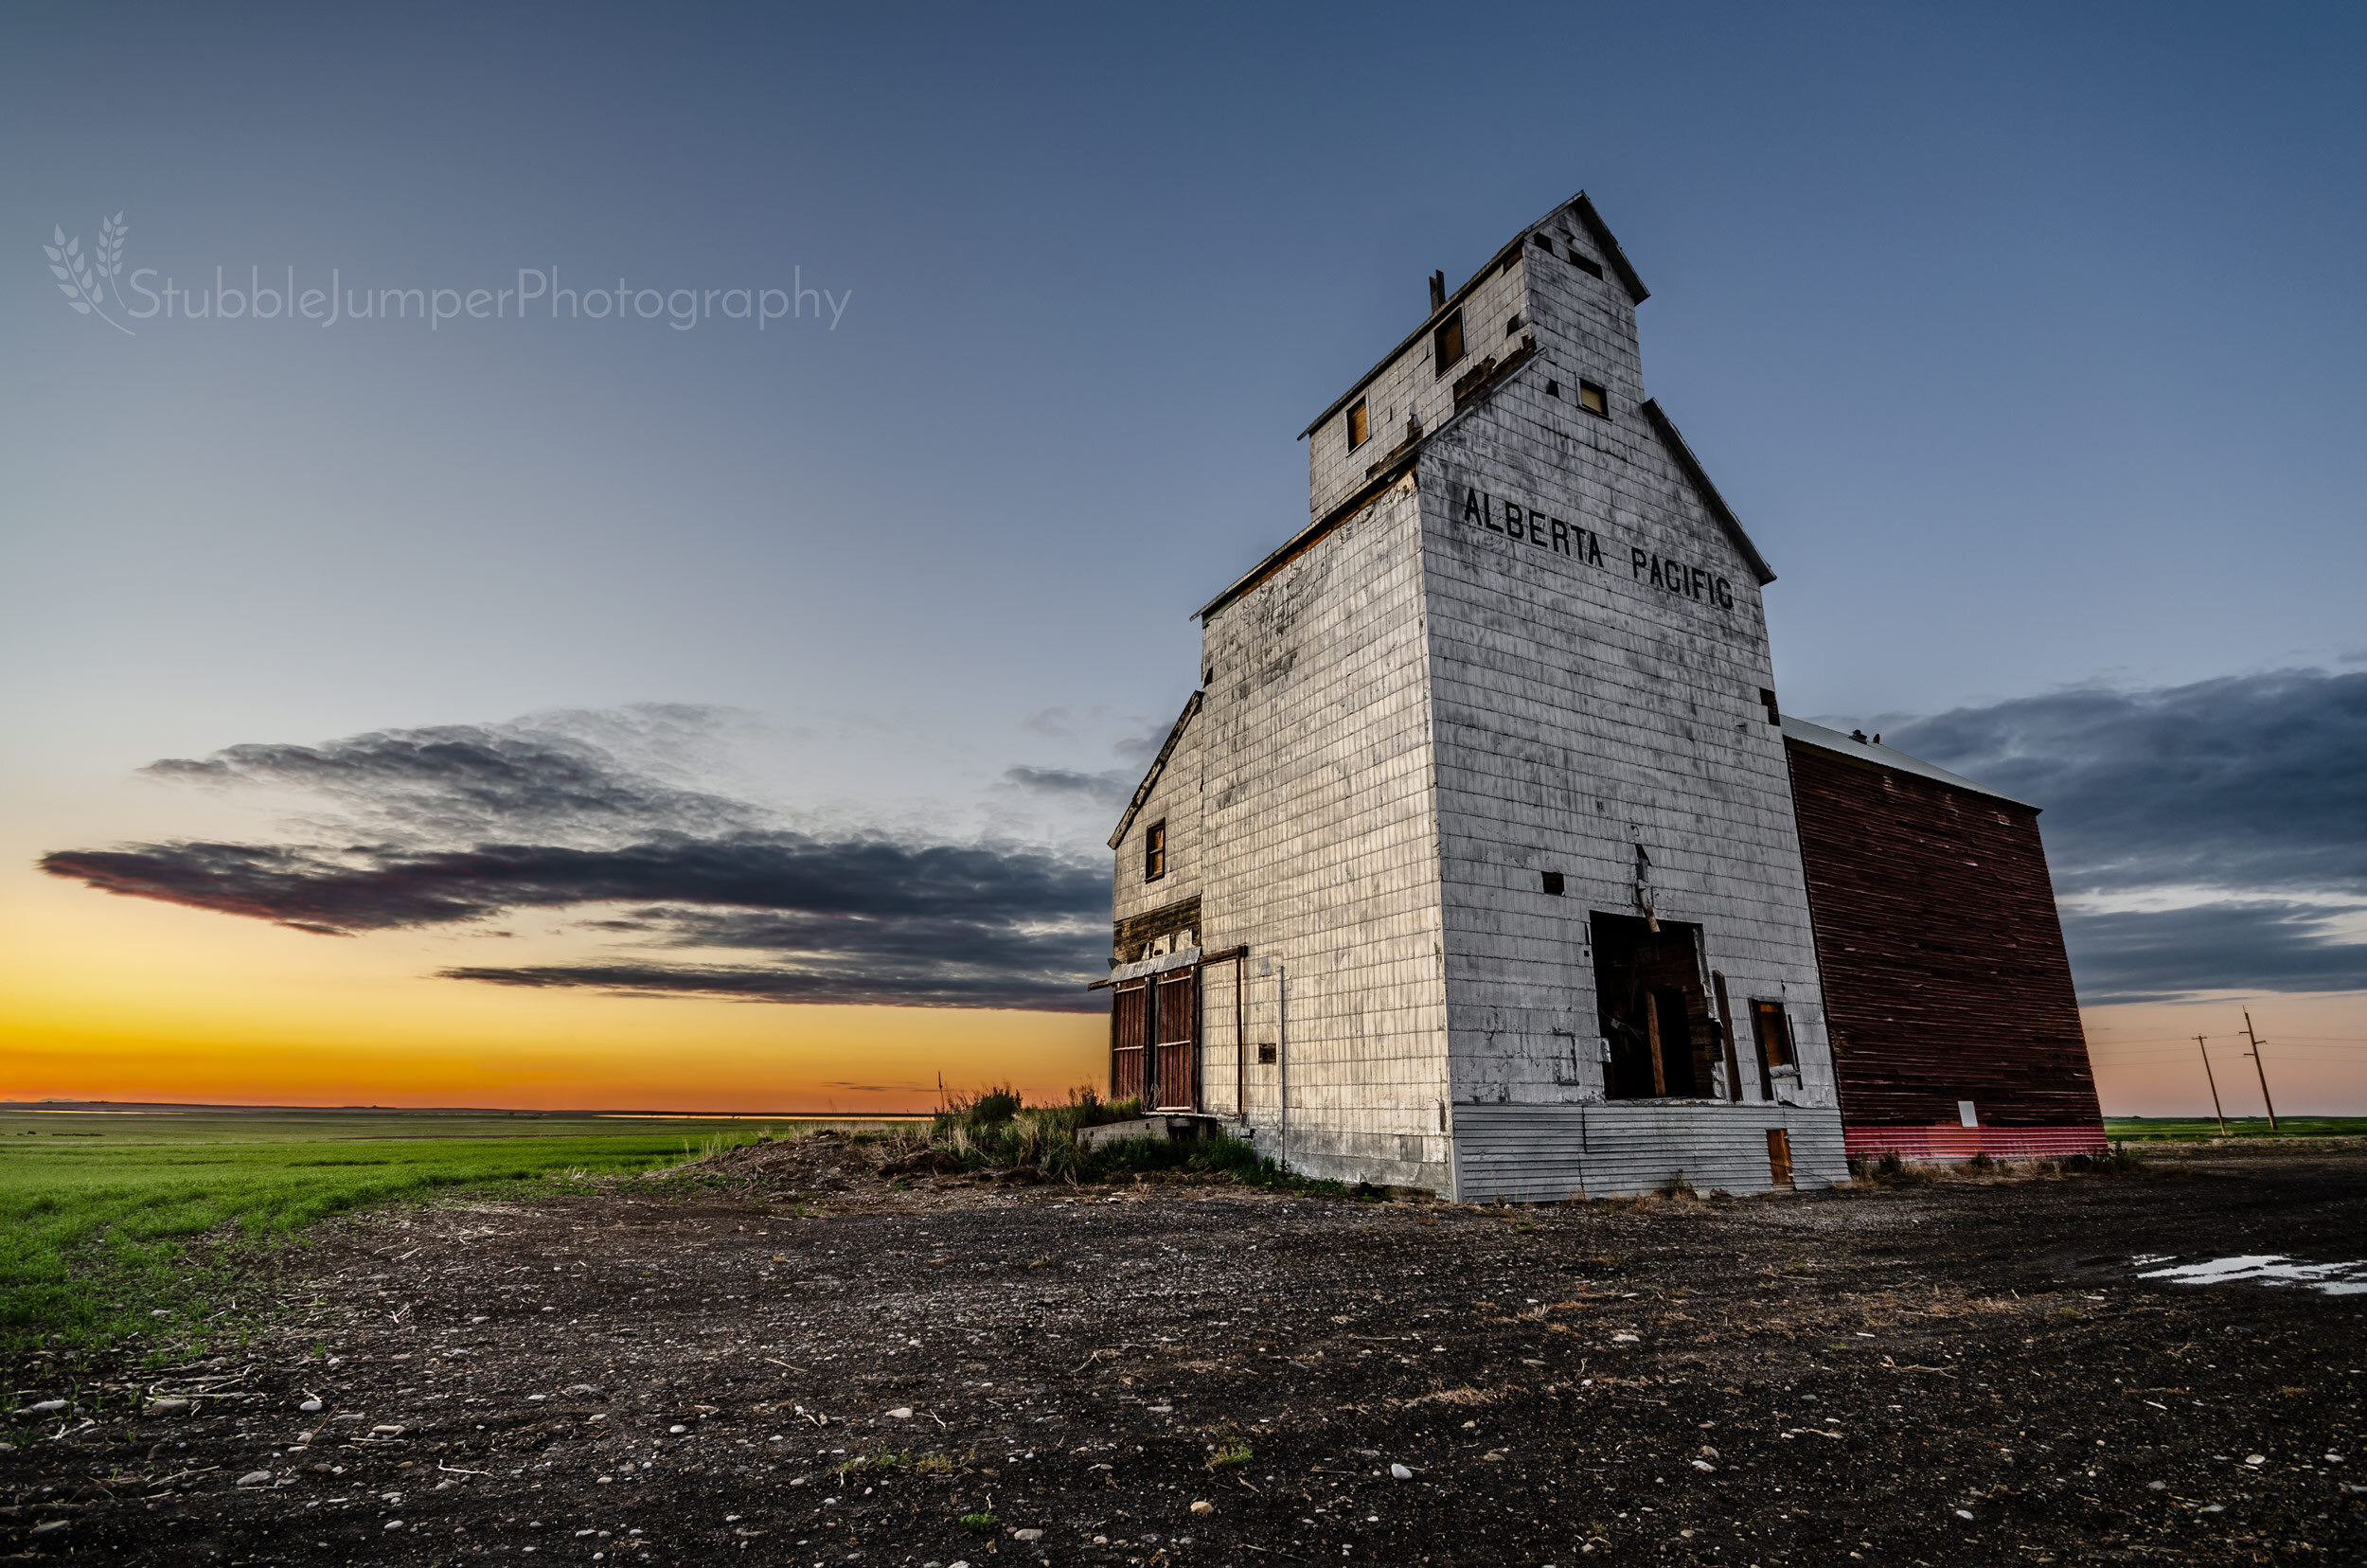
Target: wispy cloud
x=1113 y=789
x=458 y=825
x=2210 y=836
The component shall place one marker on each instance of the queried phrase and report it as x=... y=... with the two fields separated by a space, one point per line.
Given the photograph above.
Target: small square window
x=1155 y=851
x=1552 y=883
x=1542 y=244
x=1446 y=343
x=1553 y=389
x=1266 y=1055
x=1512 y=324
x=1594 y=399
x=1360 y=425
x=1585 y=263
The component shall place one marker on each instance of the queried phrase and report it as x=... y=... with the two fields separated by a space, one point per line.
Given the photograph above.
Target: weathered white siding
x=1174 y=798
x=1409 y=385
x=1322 y=855
x=1548 y=1154
x=1489 y=672
x=1583 y=709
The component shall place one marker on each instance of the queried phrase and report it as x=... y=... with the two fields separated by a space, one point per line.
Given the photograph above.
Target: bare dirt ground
x=814 y=1367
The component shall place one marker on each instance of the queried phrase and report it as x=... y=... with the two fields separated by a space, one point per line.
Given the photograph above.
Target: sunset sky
x=720 y=702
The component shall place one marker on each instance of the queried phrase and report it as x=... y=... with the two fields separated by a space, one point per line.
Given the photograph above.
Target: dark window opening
x=1653 y=1011
x=1446 y=343
x=1593 y=398
x=1542 y=244
x=1154 y=851
x=1360 y=425
x=1773 y=1031
x=1553 y=883
x=1584 y=264
x=1268 y=1054
x=1512 y=324
x=1553 y=389
x=1766 y=700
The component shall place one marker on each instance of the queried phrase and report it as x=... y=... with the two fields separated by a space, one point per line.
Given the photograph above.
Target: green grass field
x=108 y=1219
x=2190 y=1129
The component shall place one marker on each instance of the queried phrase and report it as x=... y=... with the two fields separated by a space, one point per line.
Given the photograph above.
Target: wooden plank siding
x=1945 y=974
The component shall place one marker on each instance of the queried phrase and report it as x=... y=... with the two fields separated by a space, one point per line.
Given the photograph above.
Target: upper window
x=1773 y=1031
x=1446 y=343
x=1360 y=425
x=1593 y=398
x=1585 y=263
x=1155 y=851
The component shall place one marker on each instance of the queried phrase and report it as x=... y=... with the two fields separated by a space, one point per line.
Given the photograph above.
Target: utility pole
x=2254 y=1054
x=2214 y=1086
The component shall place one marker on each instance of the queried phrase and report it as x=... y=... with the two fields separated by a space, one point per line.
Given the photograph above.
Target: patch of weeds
x=2119 y=1160
x=979 y=1524
x=1890 y=1168
x=885 y=1460
x=1230 y=1457
x=935 y=1464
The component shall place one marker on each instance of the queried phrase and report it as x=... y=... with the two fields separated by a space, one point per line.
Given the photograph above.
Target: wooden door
x=1779 y=1156
x=1176 y=1087
x=1130 y=1039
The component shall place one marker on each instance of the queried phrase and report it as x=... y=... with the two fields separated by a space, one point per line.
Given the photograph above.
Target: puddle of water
x=2260 y=1268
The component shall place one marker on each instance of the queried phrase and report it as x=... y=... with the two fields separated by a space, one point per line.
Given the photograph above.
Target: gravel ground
x=823 y=1364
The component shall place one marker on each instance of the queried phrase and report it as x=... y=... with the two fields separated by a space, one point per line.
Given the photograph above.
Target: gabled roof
x=1158 y=766
x=1600 y=233
x=1800 y=732
x=1578 y=208
x=1711 y=500
x=1303 y=540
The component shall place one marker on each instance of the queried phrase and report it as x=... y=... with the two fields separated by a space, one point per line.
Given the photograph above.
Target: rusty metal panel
x=1944 y=973
x=1130 y=1036
x=1176 y=1087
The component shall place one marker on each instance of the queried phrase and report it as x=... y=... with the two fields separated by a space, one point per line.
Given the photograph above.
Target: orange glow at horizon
x=121 y=999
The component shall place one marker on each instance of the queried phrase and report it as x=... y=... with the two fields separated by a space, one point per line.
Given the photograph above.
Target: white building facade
x=1472 y=865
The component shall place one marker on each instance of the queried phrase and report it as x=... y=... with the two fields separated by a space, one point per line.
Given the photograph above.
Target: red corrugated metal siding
x=1952 y=1142
x=1945 y=975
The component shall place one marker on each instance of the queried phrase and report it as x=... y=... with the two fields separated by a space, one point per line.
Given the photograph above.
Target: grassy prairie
x=112 y=1221
x=2192 y=1129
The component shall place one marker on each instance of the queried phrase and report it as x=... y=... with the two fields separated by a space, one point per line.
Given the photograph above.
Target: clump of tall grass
x=997 y=1128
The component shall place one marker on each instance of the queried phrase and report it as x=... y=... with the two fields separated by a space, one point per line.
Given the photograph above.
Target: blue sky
x=2025 y=340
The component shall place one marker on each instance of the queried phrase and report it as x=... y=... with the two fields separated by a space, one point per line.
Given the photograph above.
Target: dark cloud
x=2246 y=786
x=461 y=781
x=929 y=986
x=474 y=822
x=869 y=919
x=1102 y=789
x=2251 y=945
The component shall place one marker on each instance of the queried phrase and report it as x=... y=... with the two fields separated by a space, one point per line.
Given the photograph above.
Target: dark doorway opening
x=1648 y=992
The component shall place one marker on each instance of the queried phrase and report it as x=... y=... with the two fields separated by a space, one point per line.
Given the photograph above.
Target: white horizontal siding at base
x=1399 y=1160
x=1549 y=1153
